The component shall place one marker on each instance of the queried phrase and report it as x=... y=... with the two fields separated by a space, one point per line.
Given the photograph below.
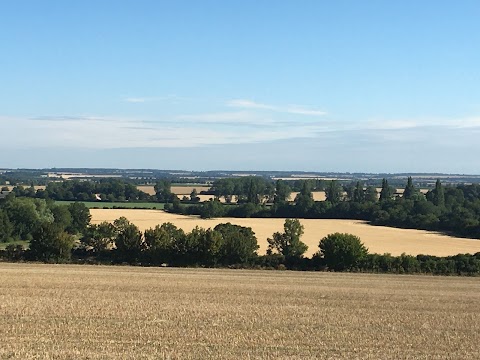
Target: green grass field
x=119 y=205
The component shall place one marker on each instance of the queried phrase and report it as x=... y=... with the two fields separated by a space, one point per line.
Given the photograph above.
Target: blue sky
x=367 y=86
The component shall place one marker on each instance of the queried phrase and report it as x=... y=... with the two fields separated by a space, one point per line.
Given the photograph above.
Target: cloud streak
x=224 y=128
x=290 y=109
x=148 y=99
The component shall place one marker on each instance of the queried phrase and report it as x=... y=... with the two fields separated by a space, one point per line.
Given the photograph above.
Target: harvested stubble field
x=100 y=312
x=379 y=239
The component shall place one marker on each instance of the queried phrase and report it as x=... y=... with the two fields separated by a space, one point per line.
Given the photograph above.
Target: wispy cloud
x=136 y=100
x=290 y=109
x=237 y=117
x=145 y=99
x=248 y=104
x=92 y=132
x=224 y=128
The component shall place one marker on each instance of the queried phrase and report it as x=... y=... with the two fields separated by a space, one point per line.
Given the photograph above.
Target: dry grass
x=378 y=239
x=96 y=312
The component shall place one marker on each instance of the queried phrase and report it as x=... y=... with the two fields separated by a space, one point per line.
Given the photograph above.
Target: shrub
x=342 y=251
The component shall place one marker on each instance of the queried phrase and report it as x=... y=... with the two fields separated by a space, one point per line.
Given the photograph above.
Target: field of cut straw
x=379 y=239
x=98 y=312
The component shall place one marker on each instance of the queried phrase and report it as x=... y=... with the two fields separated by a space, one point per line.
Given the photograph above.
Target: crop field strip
x=99 y=312
x=116 y=204
x=379 y=239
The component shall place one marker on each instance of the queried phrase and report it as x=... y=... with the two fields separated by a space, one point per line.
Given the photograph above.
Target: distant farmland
x=379 y=239
x=176 y=189
x=112 y=205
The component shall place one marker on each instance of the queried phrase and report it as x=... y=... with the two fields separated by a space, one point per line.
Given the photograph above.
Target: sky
x=305 y=85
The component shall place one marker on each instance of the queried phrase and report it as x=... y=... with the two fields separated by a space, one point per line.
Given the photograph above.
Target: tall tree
x=129 y=240
x=163 y=191
x=371 y=194
x=6 y=227
x=288 y=243
x=282 y=192
x=439 y=194
x=80 y=217
x=333 y=192
x=194 y=196
x=304 y=199
x=410 y=192
x=359 y=193
x=387 y=192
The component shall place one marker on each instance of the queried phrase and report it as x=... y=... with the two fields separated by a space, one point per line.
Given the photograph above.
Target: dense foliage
x=105 y=189
x=450 y=209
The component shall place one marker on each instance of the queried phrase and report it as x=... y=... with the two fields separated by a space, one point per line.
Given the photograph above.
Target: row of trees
x=110 y=190
x=226 y=244
x=451 y=209
x=76 y=190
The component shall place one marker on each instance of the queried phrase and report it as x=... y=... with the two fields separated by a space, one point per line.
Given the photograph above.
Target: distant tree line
x=451 y=209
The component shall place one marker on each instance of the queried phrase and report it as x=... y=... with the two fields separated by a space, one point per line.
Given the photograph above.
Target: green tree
x=288 y=243
x=304 y=199
x=160 y=242
x=6 y=228
x=439 y=194
x=129 y=240
x=100 y=237
x=282 y=192
x=333 y=192
x=239 y=244
x=387 y=191
x=80 y=217
x=62 y=216
x=194 y=196
x=26 y=215
x=371 y=194
x=410 y=192
x=210 y=209
x=199 y=246
x=50 y=243
x=254 y=190
x=342 y=251
x=359 y=193
x=163 y=191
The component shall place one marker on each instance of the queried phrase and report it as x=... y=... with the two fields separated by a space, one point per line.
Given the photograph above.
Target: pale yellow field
x=378 y=239
x=177 y=190
x=121 y=312
x=36 y=187
x=317 y=196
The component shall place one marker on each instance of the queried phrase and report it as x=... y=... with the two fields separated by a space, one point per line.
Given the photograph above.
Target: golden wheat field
x=116 y=312
x=379 y=239
x=177 y=190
